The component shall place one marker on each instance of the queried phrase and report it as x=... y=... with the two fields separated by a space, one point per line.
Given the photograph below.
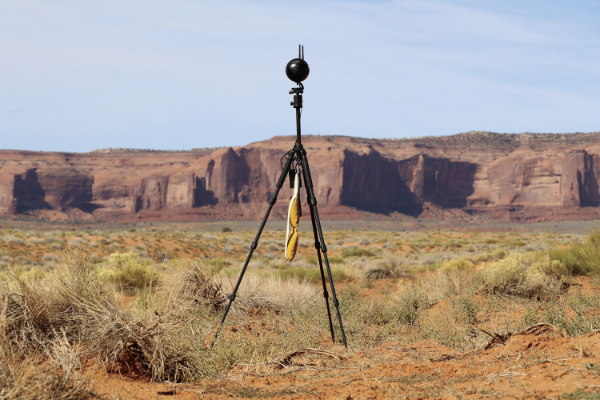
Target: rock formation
x=518 y=176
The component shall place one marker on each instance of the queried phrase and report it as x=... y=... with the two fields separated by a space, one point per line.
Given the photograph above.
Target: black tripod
x=297 y=70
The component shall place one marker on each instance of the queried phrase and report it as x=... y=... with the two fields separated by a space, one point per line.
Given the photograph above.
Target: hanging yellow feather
x=294 y=213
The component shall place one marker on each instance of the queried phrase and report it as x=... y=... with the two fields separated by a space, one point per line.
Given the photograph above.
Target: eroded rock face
x=479 y=172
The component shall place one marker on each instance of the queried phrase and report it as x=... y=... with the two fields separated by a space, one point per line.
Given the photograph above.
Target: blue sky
x=178 y=74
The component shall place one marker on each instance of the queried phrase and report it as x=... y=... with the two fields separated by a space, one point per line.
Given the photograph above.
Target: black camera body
x=297 y=70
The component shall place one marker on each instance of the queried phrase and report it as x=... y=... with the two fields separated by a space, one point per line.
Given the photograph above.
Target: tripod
x=297 y=154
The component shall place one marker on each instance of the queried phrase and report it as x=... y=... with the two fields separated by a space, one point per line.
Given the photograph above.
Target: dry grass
x=77 y=304
x=28 y=374
x=452 y=282
x=59 y=318
x=271 y=293
x=390 y=267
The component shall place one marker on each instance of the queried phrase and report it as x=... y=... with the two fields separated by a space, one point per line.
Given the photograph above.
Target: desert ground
x=430 y=310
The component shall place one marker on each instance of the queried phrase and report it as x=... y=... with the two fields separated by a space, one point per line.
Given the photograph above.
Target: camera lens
x=297 y=70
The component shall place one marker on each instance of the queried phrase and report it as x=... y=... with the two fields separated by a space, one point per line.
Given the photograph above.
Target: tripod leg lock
x=324 y=248
x=317 y=245
x=326 y=294
x=336 y=302
x=232 y=297
x=273 y=200
x=312 y=201
x=254 y=245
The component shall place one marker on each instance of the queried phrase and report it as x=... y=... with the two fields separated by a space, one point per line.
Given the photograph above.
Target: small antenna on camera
x=302 y=53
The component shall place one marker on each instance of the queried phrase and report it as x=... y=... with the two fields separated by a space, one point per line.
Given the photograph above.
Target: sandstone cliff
x=521 y=176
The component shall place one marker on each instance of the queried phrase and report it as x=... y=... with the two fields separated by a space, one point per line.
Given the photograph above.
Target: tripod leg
x=254 y=244
x=325 y=293
x=312 y=202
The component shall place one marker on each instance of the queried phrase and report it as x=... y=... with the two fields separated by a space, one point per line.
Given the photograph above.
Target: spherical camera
x=297 y=70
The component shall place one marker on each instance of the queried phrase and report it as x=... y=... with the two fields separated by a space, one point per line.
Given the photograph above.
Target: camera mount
x=297 y=70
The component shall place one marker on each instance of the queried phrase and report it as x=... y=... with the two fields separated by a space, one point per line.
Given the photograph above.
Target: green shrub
x=531 y=275
x=580 y=258
x=357 y=252
x=128 y=271
x=459 y=264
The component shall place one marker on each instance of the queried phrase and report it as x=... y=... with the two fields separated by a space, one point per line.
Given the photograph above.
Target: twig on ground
x=286 y=359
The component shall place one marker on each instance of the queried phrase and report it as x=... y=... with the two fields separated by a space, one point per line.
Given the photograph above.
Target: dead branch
x=286 y=359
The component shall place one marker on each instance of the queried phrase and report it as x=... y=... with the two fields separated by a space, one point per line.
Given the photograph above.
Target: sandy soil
x=524 y=367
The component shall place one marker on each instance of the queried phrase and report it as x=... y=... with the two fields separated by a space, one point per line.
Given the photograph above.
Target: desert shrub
x=77 y=242
x=465 y=309
x=531 y=275
x=311 y=274
x=33 y=274
x=498 y=254
x=381 y=312
x=13 y=239
x=50 y=257
x=45 y=240
x=443 y=326
x=389 y=246
x=580 y=258
x=411 y=300
x=452 y=282
x=216 y=265
x=480 y=257
x=578 y=315
x=129 y=272
x=514 y=244
x=391 y=267
x=357 y=252
x=459 y=264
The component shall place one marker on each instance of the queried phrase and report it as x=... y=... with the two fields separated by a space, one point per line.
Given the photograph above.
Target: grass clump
x=576 y=314
x=26 y=377
x=79 y=306
x=391 y=267
x=412 y=300
x=454 y=278
x=311 y=274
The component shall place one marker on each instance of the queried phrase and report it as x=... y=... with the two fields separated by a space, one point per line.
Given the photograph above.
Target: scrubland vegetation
x=75 y=301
